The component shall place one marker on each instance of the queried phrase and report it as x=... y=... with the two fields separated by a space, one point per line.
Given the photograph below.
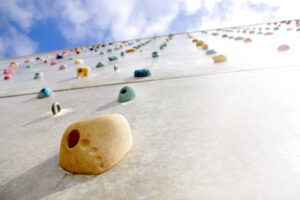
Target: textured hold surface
x=99 y=64
x=38 y=75
x=155 y=54
x=126 y=94
x=44 y=93
x=63 y=67
x=95 y=145
x=283 y=47
x=78 y=61
x=142 y=73
x=83 y=71
x=210 y=52
x=220 y=58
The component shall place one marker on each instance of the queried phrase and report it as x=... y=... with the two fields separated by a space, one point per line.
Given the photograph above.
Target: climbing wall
x=201 y=128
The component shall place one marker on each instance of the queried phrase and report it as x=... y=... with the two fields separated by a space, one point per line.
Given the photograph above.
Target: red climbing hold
x=8 y=71
x=7 y=77
x=53 y=63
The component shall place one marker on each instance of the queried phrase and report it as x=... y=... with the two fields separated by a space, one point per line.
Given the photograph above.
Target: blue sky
x=32 y=26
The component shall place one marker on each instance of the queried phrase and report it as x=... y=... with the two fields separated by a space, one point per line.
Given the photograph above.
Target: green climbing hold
x=224 y=36
x=38 y=75
x=142 y=73
x=259 y=33
x=99 y=64
x=112 y=58
x=63 y=67
x=122 y=53
x=276 y=28
x=155 y=54
x=298 y=29
x=238 y=38
x=70 y=58
x=30 y=66
x=126 y=94
x=210 y=52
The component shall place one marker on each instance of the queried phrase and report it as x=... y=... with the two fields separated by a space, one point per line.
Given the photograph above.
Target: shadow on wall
x=42 y=180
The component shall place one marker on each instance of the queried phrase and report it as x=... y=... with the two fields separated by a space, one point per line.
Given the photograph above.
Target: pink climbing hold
x=247 y=40
x=215 y=34
x=53 y=63
x=252 y=32
x=46 y=61
x=231 y=37
x=267 y=28
x=27 y=61
x=268 y=33
x=7 y=77
x=13 y=64
x=283 y=47
x=8 y=71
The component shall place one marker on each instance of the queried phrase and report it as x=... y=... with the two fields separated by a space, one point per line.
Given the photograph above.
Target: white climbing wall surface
x=201 y=130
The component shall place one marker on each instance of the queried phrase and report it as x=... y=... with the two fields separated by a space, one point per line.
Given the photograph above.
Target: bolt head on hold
x=95 y=145
x=126 y=94
x=55 y=108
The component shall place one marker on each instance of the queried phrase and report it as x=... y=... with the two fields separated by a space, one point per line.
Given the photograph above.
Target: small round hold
x=55 y=108
x=115 y=68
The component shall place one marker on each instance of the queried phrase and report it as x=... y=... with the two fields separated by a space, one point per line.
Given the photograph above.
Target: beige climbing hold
x=219 y=58
x=130 y=50
x=204 y=46
x=83 y=71
x=199 y=43
x=283 y=47
x=95 y=145
x=78 y=61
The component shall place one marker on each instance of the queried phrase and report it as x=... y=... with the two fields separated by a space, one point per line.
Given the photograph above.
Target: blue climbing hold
x=59 y=57
x=210 y=52
x=44 y=93
x=126 y=94
x=142 y=73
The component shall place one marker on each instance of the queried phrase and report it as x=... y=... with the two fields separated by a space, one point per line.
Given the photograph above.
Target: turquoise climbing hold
x=44 y=93
x=101 y=53
x=142 y=73
x=155 y=54
x=122 y=53
x=298 y=29
x=112 y=58
x=224 y=36
x=30 y=66
x=38 y=75
x=63 y=67
x=99 y=64
x=210 y=52
x=126 y=94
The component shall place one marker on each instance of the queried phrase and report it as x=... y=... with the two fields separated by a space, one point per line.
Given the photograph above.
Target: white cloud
x=15 y=43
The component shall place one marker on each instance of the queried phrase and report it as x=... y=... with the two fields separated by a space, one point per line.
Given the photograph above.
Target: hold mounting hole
x=73 y=138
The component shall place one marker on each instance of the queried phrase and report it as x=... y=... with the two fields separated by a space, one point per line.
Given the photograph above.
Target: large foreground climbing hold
x=142 y=73
x=83 y=72
x=155 y=54
x=219 y=58
x=95 y=145
x=78 y=61
x=126 y=94
x=44 y=93
x=99 y=64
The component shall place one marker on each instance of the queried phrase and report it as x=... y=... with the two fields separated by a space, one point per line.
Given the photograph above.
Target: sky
x=32 y=26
